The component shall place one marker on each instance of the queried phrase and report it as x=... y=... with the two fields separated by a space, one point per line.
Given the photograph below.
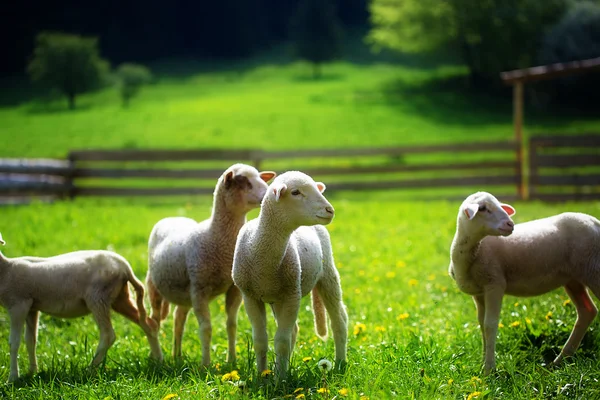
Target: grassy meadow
x=412 y=334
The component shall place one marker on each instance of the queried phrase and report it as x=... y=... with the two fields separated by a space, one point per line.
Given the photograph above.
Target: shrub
x=131 y=78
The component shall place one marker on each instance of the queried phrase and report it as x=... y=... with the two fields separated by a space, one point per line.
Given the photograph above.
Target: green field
x=412 y=334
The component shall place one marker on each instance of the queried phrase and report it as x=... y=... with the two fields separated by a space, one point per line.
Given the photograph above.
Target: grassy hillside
x=274 y=107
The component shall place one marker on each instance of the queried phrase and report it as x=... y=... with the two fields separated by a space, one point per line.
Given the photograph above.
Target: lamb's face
x=245 y=187
x=300 y=199
x=483 y=213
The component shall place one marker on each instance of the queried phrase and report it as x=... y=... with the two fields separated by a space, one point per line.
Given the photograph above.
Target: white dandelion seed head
x=325 y=364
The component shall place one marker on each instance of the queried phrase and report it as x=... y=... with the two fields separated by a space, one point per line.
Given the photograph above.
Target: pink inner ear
x=321 y=186
x=509 y=209
x=229 y=176
x=467 y=213
x=267 y=175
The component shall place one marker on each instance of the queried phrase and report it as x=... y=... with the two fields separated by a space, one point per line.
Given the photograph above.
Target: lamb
x=283 y=255
x=189 y=263
x=69 y=286
x=491 y=257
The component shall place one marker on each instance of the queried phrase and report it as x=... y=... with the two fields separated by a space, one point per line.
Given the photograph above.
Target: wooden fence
x=438 y=171
x=564 y=167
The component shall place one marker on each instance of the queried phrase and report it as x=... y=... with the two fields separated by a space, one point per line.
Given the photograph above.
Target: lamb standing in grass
x=69 y=286
x=491 y=257
x=283 y=255
x=190 y=263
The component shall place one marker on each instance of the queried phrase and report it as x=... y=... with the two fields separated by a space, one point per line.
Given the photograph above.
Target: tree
x=70 y=63
x=316 y=33
x=131 y=78
x=489 y=35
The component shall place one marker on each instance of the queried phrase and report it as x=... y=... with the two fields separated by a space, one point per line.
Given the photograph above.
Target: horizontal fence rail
x=564 y=167
x=155 y=172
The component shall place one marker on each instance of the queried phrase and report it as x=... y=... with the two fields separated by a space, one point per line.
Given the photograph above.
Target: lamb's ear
x=321 y=186
x=2 y=242
x=471 y=209
x=278 y=190
x=508 y=208
x=267 y=175
x=228 y=176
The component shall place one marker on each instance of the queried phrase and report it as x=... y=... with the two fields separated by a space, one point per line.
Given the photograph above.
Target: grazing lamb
x=69 y=286
x=280 y=257
x=189 y=263
x=491 y=257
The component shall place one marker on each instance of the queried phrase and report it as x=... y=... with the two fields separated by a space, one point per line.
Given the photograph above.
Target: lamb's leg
x=286 y=315
x=480 y=304
x=233 y=300
x=258 y=319
x=493 y=305
x=202 y=311
x=331 y=294
x=31 y=331
x=586 y=312
x=181 y=313
x=18 y=315
x=101 y=314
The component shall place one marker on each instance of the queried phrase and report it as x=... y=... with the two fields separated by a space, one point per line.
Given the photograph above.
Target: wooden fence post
x=518 y=127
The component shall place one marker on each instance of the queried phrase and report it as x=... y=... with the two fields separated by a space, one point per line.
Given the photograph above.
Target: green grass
x=420 y=336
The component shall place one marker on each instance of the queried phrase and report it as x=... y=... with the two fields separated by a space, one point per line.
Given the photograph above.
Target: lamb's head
x=299 y=200
x=242 y=187
x=481 y=213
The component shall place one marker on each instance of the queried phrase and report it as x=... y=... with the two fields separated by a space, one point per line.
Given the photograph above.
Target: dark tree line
x=150 y=29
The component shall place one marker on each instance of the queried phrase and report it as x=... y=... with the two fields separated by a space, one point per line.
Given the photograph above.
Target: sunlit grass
x=411 y=332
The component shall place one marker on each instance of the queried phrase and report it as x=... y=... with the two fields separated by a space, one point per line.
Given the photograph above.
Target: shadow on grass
x=452 y=100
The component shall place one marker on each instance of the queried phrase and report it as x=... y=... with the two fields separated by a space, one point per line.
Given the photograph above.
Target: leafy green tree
x=70 y=63
x=317 y=33
x=489 y=35
x=131 y=78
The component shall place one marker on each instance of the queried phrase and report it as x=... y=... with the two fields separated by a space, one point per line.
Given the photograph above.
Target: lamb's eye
x=295 y=192
x=483 y=208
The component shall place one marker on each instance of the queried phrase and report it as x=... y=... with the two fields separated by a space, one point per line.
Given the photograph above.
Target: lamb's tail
x=145 y=322
x=320 y=317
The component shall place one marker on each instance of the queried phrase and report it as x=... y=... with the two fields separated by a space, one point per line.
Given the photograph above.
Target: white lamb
x=189 y=263
x=69 y=286
x=283 y=255
x=491 y=257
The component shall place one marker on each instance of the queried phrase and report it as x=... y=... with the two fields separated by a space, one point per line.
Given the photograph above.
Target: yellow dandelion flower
x=527 y=321
x=390 y=274
x=517 y=304
x=359 y=328
x=400 y=264
x=566 y=302
x=170 y=396
x=450 y=381
x=343 y=392
x=298 y=390
x=322 y=390
x=431 y=277
x=300 y=396
x=266 y=373
x=549 y=315
x=226 y=377
x=380 y=328
x=307 y=359
x=474 y=395
x=235 y=375
x=500 y=325
x=476 y=379
x=363 y=398
x=413 y=282
x=515 y=324
x=218 y=366
x=402 y=316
